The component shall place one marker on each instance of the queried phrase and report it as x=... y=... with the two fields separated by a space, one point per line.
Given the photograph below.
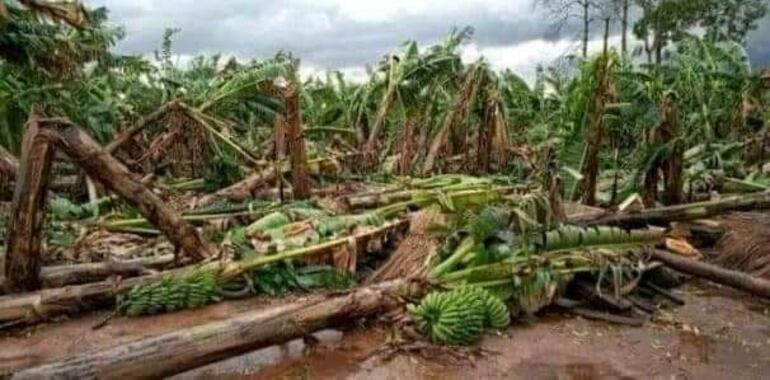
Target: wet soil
x=717 y=334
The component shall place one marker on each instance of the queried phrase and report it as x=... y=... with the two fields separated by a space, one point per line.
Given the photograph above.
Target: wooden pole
x=734 y=279
x=21 y=263
x=181 y=350
x=102 y=166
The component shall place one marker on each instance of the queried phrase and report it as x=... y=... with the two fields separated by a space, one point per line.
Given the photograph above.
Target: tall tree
x=666 y=21
x=564 y=10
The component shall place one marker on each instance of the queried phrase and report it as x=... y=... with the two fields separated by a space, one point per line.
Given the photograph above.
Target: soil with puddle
x=718 y=334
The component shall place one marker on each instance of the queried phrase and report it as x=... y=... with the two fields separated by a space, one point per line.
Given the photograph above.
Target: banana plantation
x=442 y=200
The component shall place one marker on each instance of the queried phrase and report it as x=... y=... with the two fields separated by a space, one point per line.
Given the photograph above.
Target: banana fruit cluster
x=170 y=294
x=459 y=317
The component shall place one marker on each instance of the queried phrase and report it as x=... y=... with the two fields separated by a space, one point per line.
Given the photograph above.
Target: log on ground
x=734 y=279
x=185 y=349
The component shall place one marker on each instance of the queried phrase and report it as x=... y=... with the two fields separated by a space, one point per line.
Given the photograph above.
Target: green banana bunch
x=459 y=317
x=170 y=294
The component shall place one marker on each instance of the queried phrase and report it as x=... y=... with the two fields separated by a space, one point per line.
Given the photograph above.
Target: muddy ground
x=717 y=334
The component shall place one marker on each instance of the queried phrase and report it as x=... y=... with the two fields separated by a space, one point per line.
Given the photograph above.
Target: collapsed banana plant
x=510 y=251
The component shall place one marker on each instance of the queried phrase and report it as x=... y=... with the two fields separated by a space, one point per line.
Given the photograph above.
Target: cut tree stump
x=181 y=350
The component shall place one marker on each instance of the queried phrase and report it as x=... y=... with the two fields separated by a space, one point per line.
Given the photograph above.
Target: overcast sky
x=346 y=35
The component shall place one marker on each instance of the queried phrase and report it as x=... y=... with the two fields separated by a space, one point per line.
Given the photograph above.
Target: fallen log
x=20 y=266
x=102 y=166
x=62 y=275
x=185 y=349
x=734 y=279
x=248 y=188
x=683 y=212
x=40 y=305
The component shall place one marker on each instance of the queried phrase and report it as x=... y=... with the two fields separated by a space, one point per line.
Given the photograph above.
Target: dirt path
x=717 y=334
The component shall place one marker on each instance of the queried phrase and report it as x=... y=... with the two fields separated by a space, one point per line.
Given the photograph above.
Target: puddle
x=326 y=354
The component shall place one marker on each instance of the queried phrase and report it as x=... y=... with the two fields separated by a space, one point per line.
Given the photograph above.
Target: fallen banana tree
x=691 y=211
x=734 y=279
x=61 y=275
x=43 y=304
x=22 y=260
x=185 y=349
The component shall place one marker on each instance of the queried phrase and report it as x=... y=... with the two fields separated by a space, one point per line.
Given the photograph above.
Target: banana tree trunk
x=370 y=149
x=457 y=112
x=682 y=212
x=185 y=349
x=673 y=166
x=734 y=279
x=296 y=143
x=407 y=148
x=21 y=264
x=62 y=275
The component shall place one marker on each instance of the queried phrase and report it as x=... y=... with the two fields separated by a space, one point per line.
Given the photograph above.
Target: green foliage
x=284 y=278
x=63 y=209
x=223 y=171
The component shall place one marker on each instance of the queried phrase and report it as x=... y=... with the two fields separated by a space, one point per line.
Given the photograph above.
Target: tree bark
x=21 y=263
x=296 y=143
x=102 y=166
x=181 y=350
x=734 y=279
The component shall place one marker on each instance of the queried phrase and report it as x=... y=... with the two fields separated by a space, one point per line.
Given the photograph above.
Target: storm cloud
x=337 y=34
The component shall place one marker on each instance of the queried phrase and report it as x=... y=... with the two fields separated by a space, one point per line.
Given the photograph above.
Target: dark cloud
x=324 y=34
